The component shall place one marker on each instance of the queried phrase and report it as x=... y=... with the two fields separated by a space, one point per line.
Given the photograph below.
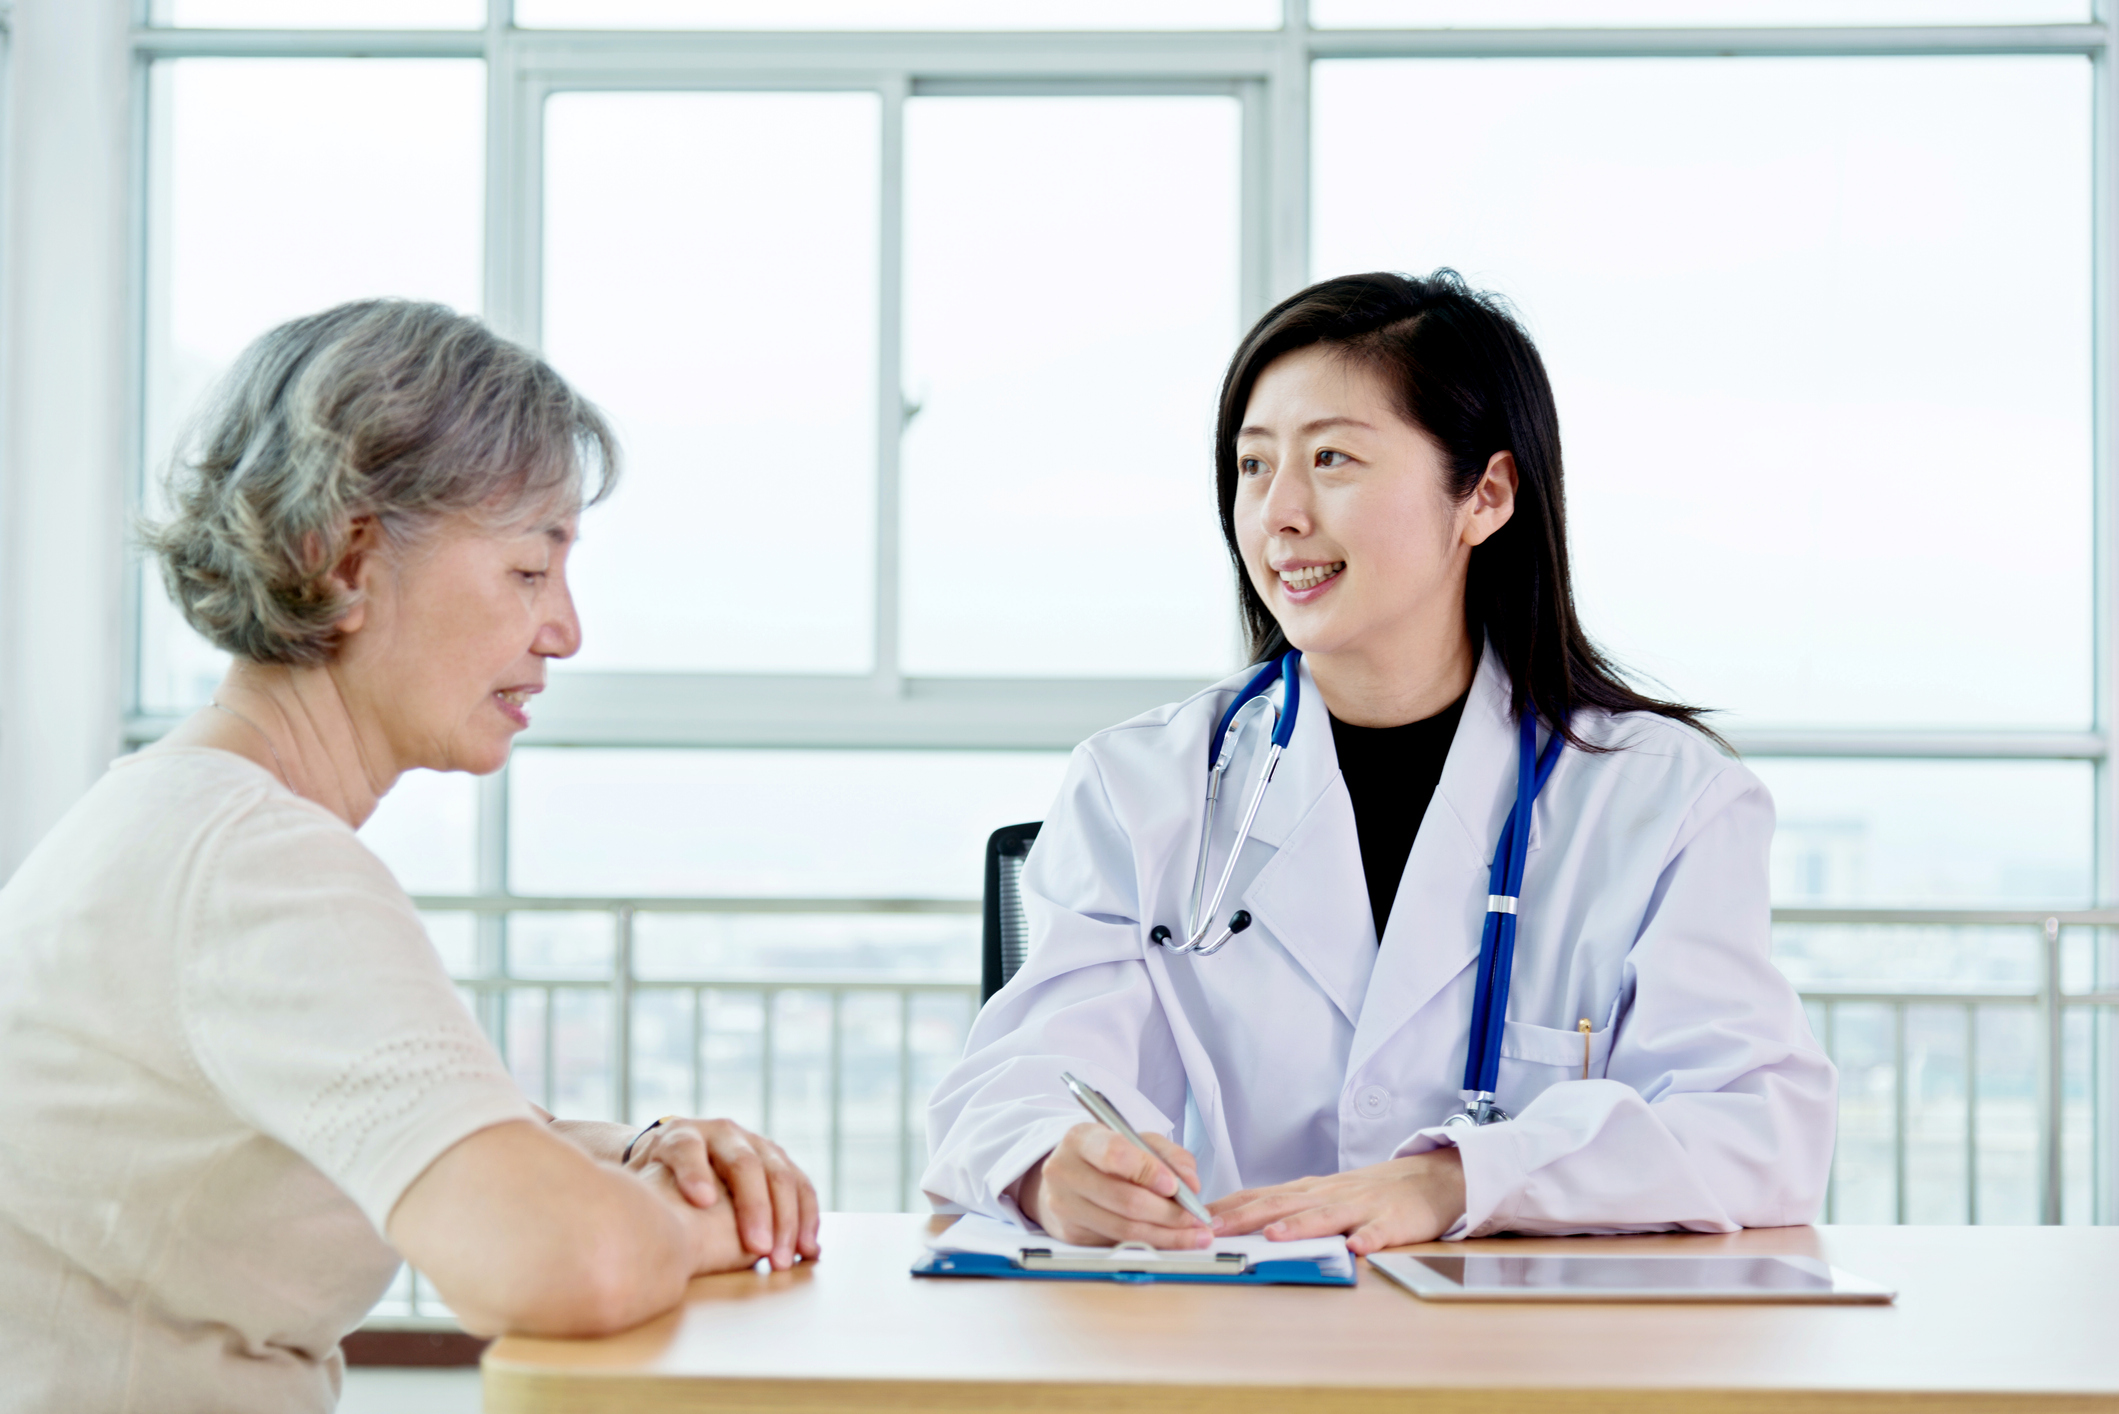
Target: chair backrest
x=1007 y=931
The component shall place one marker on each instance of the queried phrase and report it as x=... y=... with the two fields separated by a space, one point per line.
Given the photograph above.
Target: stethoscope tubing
x=1497 y=935
x=1281 y=669
x=1200 y=921
x=1497 y=941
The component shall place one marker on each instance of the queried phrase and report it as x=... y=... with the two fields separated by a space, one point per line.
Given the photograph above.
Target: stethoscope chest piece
x=1476 y=1113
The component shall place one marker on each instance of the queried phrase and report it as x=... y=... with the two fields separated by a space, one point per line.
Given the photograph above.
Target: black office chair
x=1007 y=931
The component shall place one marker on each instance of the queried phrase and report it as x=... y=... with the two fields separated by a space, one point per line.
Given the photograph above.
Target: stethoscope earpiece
x=1238 y=921
x=1199 y=919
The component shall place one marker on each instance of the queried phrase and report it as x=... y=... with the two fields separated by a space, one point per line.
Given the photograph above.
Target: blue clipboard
x=1139 y=1271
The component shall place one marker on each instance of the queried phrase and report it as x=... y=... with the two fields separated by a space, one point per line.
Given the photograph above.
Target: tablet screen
x=1488 y=1273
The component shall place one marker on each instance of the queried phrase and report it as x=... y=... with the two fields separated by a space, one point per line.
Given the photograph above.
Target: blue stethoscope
x=1497 y=940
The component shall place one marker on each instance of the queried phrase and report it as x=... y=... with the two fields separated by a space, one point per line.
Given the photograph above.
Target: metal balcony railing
x=837 y=1067
x=2042 y=999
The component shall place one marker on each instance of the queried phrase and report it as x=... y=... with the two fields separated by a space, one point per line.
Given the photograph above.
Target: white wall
x=65 y=414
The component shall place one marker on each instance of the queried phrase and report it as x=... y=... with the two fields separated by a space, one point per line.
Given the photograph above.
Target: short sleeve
x=316 y=1006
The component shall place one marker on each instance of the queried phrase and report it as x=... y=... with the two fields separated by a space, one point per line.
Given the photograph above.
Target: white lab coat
x=1304 y=1048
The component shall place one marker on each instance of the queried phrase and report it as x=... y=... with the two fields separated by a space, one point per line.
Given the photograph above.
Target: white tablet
x=1625 y=1276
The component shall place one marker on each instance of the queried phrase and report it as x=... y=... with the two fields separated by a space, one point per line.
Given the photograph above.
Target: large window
x=278 y=187
x=1812 y=323
x=710 y=274
x=913 y=335
x=1070 y=295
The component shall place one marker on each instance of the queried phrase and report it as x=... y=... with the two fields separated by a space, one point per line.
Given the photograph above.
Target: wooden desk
x=1987 y=1319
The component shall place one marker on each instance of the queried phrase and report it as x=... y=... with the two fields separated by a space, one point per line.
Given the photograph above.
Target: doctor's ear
x=1492 y=501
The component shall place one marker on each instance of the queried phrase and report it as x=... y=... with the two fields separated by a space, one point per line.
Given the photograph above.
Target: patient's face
x=1343 y=512
x=454 y=639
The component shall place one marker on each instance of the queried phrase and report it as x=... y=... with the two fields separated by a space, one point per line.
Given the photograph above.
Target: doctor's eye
x=1328 y=457
x=1249 y=466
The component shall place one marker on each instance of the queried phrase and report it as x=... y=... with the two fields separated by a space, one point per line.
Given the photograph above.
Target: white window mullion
x=891 y=407
x=1289 y=159
x=2104 y=216
x=510 y=223
x=514 y=217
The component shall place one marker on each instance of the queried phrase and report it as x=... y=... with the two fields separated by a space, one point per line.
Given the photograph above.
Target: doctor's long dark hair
x=1465 y=373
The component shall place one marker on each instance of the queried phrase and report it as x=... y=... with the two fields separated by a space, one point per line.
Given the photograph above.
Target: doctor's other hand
x=1096 y=1189
x=1414 y=1199
x=713 y=1159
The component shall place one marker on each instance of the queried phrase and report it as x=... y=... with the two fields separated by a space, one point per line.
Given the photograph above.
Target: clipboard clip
x=1136 y=1257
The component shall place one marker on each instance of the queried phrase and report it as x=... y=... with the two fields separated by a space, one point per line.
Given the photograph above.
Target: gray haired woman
x=240 y=1085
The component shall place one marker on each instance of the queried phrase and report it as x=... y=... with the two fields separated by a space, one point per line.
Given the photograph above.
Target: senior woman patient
x=239 y=1085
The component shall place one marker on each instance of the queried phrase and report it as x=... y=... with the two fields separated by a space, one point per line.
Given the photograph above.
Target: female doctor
x=1323 y=1000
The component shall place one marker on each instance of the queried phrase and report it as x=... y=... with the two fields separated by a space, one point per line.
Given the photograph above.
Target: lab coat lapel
x=1433 y=931
x=1311 y=896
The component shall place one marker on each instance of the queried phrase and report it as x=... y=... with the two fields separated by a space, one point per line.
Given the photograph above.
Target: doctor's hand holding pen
x=1399 y=1201
x=1097 y=1188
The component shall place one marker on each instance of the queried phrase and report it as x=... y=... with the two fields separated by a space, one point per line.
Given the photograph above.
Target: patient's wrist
x=724 y=1249
x=599 y=1139
x=715 y=1244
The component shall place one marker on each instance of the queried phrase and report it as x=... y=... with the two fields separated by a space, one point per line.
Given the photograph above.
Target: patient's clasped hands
x=1095 y=1188
x=715 y=1159
x=705 y=1162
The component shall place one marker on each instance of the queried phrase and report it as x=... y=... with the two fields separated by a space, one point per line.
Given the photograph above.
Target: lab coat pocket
x=1535 y=1058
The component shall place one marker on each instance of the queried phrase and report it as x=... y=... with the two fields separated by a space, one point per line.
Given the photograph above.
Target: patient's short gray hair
x=390 y=409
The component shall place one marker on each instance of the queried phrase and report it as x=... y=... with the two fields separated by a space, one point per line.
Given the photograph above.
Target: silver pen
x=1107 y=1115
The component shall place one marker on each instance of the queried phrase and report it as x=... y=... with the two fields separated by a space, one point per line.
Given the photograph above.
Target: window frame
x=1270 y=73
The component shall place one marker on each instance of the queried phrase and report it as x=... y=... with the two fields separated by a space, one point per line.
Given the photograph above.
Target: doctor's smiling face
x=1350 y=536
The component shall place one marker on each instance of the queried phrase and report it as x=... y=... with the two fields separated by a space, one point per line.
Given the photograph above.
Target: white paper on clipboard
x=975 y=1232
